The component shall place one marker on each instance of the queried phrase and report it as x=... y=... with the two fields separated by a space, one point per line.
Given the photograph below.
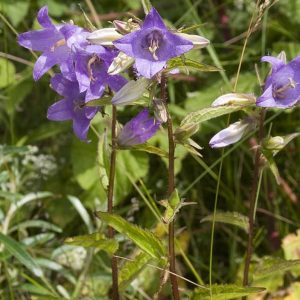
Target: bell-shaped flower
x=232 y=134
x=51 y=42
x=138 y=130
x=152 y=45
x=71 y=107
x=282 y=87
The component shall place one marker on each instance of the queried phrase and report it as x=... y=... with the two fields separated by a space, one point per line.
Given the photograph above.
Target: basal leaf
x=95 y=240
x=19 y=252
x=143 y=238
x=224 y=292
x=232 y=218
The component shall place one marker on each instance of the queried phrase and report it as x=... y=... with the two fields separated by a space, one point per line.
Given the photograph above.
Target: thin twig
x=171 y=187
x=110 y=194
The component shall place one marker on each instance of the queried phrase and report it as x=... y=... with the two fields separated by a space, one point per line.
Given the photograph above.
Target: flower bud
x=126 y=27
x=185 y=131
x=130 y=92
x=234 y=99
x=232 y=134
x=120 y=63
x=104 y=36
x=160 y=111
x=197 y=40
x=274 y=143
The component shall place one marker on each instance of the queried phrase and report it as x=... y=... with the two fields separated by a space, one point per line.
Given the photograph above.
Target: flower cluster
x=90 y=63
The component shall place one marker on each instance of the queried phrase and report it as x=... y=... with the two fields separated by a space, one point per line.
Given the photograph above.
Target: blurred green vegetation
x=43 y=163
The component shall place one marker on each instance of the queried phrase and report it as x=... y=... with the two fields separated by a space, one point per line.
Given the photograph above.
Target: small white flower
x=234 y=99
x=197 y=40
x=120 y=63
x=232 y=134
x=104 y=36
x=130 y=92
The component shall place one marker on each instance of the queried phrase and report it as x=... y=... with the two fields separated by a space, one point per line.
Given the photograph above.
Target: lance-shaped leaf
x=19 y=252
x=94 y=240
x=99 y=102
x=224 y=292
x=209 y=113
x=269 y=266
x=146 y=6
x=232 y=218
x=143 y=238
x=132 y=268
x=185 y=63
x=147 y=148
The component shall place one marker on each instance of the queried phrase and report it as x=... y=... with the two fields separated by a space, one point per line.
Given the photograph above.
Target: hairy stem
x=110 y=194
x=254 y=190
x=171 y=187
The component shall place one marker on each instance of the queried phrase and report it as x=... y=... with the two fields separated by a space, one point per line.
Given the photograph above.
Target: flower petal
x=153 y=19
x=94 y=91
x=81 y=126
x=149 y=68
x=125 y=43
x=43 y=64
x=43 y=17
x=274 y=61
x=266 y=99
x=64 y=87
x=60 y=110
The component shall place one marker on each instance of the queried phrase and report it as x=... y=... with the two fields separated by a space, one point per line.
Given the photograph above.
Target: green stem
x=110 y=194
x=253 y=199
x=171 y=187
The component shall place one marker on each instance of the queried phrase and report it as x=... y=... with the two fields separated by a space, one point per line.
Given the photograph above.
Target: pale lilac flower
x=51 y=41
x=232 y=134
x=71 y=107
x=152 y=45
x=138 y=130
x=282 y=87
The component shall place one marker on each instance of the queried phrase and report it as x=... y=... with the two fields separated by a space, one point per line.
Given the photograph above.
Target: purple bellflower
x=71 y=107
x=282 y=87
x=138 y=130
x=91 y=66
x=152 y=45
x=51 y=41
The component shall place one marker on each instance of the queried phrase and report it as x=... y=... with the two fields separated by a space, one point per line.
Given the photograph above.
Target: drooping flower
x=282 y=87
x=71 y=107
x=152 y=45
x=50 y=41
x=138 y=130
x=232 y=134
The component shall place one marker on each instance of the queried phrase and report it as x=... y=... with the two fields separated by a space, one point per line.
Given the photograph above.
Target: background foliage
x=51 y=183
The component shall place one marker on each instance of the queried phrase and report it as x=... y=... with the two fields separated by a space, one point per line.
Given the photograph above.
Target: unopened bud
x=234 y=99
x=274 y=143
x=185 y=131
x=232 y=134
x=130 y=92
x=197 y=40
x=126 y=27
x=160 y=111
x=120 y=63
x=104 y=36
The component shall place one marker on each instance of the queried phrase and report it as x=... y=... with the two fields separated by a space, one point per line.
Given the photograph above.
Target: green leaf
x=7 y=72
x=209 y=113
x=224 y=292
x=36 y=224
x=18 y=251
x=149 y=149
x=143 y=238
x=232 y=218
x=99 y=102
x=146 y=6
x=132 y=268
x=16 y=10
x=179 y=62
x=94 y=240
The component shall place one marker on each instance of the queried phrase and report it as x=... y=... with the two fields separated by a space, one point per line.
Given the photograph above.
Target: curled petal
x=43 y=17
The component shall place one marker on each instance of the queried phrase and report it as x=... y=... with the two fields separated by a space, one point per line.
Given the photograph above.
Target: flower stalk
x=110 y=194
x=171 y=187
x=254 y=190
